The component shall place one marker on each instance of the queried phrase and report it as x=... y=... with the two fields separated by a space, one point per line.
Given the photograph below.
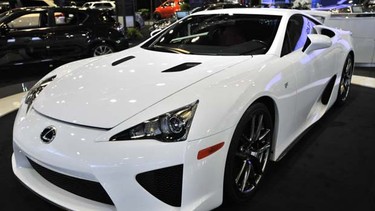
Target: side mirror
x=153 y=33
x=3 y=29
x=316 y=42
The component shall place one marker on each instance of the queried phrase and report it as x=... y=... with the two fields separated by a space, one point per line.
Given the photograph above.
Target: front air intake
x=165 y=184
x=84 y=188
x=182 y=67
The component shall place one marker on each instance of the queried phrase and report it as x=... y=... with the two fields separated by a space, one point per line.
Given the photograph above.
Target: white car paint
x=90 y=100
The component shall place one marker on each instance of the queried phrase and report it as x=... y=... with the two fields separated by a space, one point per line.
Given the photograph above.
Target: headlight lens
x=36 y=89
x=170 y=127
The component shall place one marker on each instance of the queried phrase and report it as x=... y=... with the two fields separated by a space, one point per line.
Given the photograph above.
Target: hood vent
x=182 y=67
x=122 y=60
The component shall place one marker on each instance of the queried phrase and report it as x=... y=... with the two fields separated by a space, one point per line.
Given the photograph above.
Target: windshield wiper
x=168 y=49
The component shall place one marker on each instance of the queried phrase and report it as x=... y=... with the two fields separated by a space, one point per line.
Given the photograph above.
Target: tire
x=345 y=81
x=102 y=49
x=248 y=154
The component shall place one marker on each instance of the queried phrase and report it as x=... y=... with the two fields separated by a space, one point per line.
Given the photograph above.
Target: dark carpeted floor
x=330 y=168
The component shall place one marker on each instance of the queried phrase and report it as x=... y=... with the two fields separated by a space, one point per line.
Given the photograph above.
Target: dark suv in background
x=4 y=6
x=53 y=35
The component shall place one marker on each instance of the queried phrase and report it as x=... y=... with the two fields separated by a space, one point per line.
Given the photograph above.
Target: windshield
x=4 y=15
x=218 y=34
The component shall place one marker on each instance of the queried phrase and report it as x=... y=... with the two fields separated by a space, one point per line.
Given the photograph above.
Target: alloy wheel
x=102 y=50
x=252 y=154
x=346 y=80
x=248 y=154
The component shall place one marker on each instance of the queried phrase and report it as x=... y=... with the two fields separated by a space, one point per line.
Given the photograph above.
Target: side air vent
x=328 y=33
x=182 y=67
x=328 y=90
x=122 y=60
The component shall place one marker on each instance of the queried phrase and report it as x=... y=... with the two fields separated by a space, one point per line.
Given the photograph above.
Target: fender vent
x=122 y=60
x=182 y=67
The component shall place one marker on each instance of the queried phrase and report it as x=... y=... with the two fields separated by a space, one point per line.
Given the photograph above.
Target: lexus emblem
x=48 y=134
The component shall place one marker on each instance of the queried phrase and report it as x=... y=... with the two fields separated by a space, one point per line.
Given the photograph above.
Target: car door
x=313 y=70
x=70 y=37
x=24 y=39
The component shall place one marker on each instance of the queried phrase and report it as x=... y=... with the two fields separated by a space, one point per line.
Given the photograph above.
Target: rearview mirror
x=316 y=42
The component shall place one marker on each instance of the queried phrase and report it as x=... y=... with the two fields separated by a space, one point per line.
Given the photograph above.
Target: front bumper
x=128 y=171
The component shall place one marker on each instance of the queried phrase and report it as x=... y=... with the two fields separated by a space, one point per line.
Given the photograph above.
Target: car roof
x=43 y=8
x=257 y=11
x=260 y=11
x=254 y=11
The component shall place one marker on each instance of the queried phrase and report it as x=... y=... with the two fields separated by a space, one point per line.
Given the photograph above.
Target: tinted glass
x=66 y=18
x=3 y=16
x=106 y=17
x=31 y=20
x=306 y=29
x=297 y=30
x=219 y=34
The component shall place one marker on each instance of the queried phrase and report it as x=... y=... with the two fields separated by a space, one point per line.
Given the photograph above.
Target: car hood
x=105 y=92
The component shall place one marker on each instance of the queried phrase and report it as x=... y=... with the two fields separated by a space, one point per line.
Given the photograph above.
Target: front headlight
x=36 y=89
x=170 y=127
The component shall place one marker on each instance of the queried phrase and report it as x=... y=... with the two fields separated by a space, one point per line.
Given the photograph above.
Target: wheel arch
x=351 y=53
x=270 y=103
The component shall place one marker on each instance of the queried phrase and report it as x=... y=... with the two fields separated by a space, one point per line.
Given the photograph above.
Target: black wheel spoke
x=265 y=133
x=241 y=172
x=246 y=176
x=264 y=148
x=252 y=133
x=260 y=127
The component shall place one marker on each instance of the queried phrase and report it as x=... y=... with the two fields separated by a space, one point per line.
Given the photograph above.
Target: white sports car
x=186 y=120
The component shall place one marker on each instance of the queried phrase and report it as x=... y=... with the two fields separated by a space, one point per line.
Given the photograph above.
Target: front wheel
x=102 y=49
x=345 y=81
x=248 y=154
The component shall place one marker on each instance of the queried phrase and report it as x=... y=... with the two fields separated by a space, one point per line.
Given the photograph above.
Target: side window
x=106 y=17
x=65 y=18
x=32 y=20
x=297 y=30
x=107 y=5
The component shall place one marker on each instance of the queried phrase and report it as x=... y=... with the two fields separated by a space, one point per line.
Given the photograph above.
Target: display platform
x=330 y=168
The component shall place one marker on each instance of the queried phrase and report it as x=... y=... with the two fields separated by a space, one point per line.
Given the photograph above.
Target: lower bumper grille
x=84 y=188
x=165 y=184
